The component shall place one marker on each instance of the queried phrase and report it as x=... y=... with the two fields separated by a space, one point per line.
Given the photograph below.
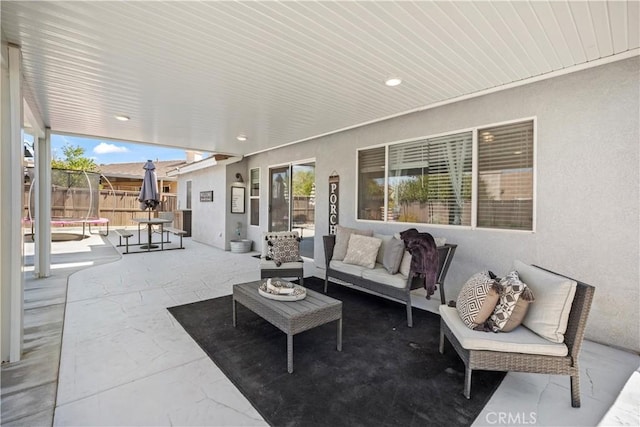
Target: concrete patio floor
x=124 y=360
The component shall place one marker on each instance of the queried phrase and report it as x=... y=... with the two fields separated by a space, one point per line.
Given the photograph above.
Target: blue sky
x=109 y=151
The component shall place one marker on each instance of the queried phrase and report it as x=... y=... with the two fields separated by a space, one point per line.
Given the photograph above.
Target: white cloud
x=104 y=148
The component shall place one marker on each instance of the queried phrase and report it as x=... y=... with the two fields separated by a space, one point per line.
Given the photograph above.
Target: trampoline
x=74 y=200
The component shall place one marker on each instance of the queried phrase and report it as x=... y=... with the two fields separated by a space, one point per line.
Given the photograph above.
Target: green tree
x=303 y=183
x=74 y=159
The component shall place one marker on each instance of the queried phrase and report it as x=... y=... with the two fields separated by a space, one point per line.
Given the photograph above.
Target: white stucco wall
x=212 y=223
x=207 y=218
x=588 y=187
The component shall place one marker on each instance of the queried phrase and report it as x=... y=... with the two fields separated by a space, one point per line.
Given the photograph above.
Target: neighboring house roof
x=136 y=170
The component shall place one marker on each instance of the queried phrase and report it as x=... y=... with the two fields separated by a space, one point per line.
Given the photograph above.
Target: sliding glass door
x=292 y=202
x=279 y=207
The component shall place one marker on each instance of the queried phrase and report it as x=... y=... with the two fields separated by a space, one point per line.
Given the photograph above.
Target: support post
x=42 y=237
x=11 y=189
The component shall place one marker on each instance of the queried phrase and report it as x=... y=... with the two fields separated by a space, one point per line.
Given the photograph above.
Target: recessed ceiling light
x=122 y=118
x=517 y=152
x=241 y=137
x=393 y=81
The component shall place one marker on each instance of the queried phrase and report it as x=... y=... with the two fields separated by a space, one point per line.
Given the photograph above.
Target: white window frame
x=474 y=179
x=251 y=197
x=188 y=194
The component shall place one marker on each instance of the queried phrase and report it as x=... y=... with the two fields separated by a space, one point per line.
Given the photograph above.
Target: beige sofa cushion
x=549 y=314
x=355 y=270
x=381 y=275
x=405 y=264
x=383 y=248
x=520 y=340
x=342 y=240
x=393 y=254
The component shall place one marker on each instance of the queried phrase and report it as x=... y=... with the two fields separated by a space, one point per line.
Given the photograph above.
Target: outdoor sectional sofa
x=378 y=280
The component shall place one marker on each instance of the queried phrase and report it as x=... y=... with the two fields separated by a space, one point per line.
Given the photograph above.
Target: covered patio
x=119 y=345
x=374 y=96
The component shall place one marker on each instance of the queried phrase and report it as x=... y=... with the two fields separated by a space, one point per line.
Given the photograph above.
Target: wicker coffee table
x=291 y=317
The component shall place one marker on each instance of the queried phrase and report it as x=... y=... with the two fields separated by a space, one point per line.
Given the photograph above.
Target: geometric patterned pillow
x=285 y=250
x=271 y=237
x=512 y=305
x=477 y=299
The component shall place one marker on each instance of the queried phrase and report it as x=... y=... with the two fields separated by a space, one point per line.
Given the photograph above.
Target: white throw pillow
x=342 y=240
x=549 y=314
x=362 y=250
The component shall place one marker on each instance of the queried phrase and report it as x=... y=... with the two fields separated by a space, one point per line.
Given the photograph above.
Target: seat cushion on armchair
x=520 y=340
x=271 y=265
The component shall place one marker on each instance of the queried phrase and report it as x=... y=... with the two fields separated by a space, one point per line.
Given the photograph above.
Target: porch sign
x=334 y=196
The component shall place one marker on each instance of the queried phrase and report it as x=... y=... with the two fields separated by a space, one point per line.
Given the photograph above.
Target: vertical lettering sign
x=334 y=196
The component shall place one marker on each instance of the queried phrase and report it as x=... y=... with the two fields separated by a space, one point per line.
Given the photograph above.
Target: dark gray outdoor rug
x=386 y=375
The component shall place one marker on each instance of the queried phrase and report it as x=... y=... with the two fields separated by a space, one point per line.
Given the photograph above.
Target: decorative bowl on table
x=281 y=290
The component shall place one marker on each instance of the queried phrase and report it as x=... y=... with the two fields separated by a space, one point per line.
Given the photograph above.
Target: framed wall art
x=237 y=200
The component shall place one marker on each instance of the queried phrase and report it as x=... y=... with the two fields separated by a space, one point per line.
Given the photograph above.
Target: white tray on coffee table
x=298 y=294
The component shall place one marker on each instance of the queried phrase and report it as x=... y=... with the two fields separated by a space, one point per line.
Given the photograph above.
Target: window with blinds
x=371 y=172
x=429 y=181
x=505 y=177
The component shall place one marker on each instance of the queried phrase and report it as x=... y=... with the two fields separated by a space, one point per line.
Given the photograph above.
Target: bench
x=378 y=280
x=175 y=231
x=122 y=233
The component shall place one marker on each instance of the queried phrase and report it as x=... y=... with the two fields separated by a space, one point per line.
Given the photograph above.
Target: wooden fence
x=119 y=207
x=122 y=206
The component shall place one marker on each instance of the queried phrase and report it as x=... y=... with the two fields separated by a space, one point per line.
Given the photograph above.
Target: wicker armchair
x=268 y=267
x=532 y=363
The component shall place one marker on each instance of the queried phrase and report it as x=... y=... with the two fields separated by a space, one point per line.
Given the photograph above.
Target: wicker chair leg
x=441 y=348
x=409 y=314
x=467 y=382
x=301 y=280
x=575 y=390
x=326 y=282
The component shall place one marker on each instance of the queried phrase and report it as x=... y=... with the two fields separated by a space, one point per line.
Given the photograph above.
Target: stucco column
x=11 y=183
x=42 y=196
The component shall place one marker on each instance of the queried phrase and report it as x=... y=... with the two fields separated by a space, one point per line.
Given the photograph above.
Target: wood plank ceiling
x=197 y=74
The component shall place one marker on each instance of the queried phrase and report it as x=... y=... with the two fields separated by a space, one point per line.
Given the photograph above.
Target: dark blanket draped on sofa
x=424 y=257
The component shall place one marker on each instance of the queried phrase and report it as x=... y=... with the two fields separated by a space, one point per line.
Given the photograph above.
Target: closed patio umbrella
x=149 y=197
